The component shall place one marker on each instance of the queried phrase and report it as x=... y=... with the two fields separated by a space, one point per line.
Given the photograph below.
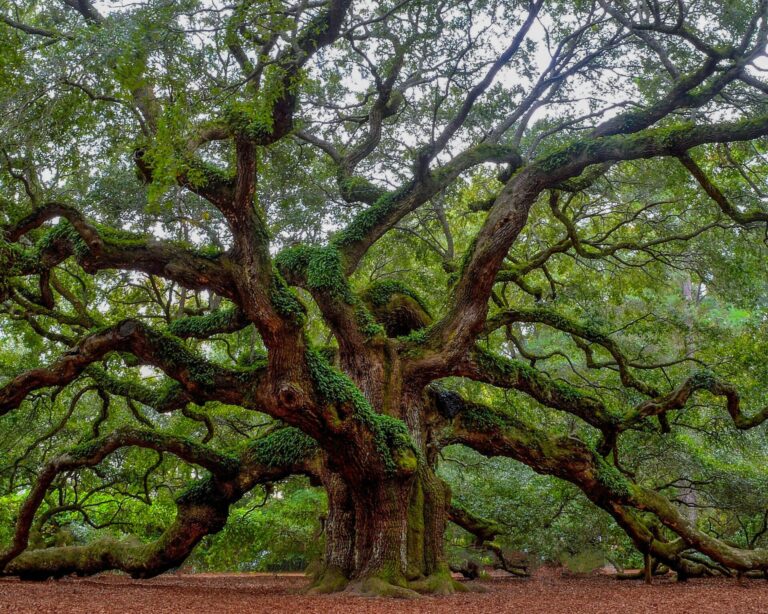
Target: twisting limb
x=97 y=249
x=678 y=398
x=458 y=329
x=485 y=532
x=201 y=379
x=496 y=433
x=717 y=195
x=564 y=324
x=201 y=510
x=92 y=453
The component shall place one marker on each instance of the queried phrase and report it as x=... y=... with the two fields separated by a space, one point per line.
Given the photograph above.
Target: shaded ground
x=547 y=593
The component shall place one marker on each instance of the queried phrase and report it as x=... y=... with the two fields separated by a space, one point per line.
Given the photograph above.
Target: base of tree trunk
x=333 y=580
x=439 y=583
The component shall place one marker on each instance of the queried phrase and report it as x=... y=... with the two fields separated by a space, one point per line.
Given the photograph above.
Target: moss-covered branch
x=216 y=322
x=678 y=399
x=495 y=433
x=201 y=510
x=485 y=366
x=201 y=380
x=93 y=452
x=99 y=247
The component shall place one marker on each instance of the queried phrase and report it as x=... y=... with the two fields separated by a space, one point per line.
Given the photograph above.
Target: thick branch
x=201 y=379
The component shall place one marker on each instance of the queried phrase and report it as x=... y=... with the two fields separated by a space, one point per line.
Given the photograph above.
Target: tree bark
x=385 y=536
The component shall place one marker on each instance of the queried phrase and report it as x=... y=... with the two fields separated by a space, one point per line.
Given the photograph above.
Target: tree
x=194 y=194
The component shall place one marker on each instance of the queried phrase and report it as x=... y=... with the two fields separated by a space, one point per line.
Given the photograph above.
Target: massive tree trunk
x=384 y=535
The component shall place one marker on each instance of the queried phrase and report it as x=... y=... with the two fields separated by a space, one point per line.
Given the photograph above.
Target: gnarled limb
x=97 y=249
x=94 y=452
x=485 y=532
x=495 y=433
x=201 y=510
x=201 y=379
x=564 y=324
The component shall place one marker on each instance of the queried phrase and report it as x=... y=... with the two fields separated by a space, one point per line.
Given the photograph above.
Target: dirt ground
x=548 y=592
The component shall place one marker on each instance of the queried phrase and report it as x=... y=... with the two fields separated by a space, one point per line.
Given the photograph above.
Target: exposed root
x=439 y=583
x=378 y=587
x=328 y=580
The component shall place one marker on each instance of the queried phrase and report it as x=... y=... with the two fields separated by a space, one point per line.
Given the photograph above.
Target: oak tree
x=364 y=220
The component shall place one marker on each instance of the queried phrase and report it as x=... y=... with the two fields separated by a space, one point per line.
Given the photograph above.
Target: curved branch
x=678 y=398
x=201 y=379
x=566 y=325
x=717 y=195
x=201 y=510
x=495 y=433
x=465 y=319
x=93 y=452
x=100 y=248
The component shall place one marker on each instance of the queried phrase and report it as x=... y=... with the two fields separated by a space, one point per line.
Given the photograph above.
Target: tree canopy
x=363 y=242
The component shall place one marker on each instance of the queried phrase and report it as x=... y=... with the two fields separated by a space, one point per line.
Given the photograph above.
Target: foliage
x=211 y=216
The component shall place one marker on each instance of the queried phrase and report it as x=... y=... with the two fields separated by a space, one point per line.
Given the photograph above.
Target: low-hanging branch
x=256 y=129
x=496 y=433
x=201 y=510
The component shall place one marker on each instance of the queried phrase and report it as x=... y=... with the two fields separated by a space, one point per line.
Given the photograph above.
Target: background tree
x=389 y=228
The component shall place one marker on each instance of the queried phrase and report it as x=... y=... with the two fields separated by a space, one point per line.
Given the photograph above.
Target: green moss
x=15 y=260
x=322 y=271
x=465 y=260
x=63 y=231
x=320 y=267
x=482 y=419
x=155 y=397
x=87 y=449
x=492 y=363
x=366 y=322
x=417 y=337
x=439 y=583
x=282 y=448
x=285 y=301
x=367 y=220
x=357 y=189
x=202 y=326
x=172 y=353
x=203 y=491
x=200 y=173
x=380 y=293
x=703 y=380
x=331 y=579
x=391 y=436
x=610 y=477
x=562 y=156
x=123 y=239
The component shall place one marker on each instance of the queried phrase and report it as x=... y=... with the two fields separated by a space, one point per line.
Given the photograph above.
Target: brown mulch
x=548 y=592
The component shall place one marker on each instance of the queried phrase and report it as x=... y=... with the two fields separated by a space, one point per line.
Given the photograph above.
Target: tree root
x=333 y=580
x=330 y=579
x=379 y=587
x=439 y=583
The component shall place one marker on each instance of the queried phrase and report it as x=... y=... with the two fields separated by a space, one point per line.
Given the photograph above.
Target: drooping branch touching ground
x=496 y=433
x=201 y=510
x=92 y=453
x=450 y=135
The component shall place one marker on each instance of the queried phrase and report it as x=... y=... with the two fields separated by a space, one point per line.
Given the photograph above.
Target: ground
x=548 y=592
